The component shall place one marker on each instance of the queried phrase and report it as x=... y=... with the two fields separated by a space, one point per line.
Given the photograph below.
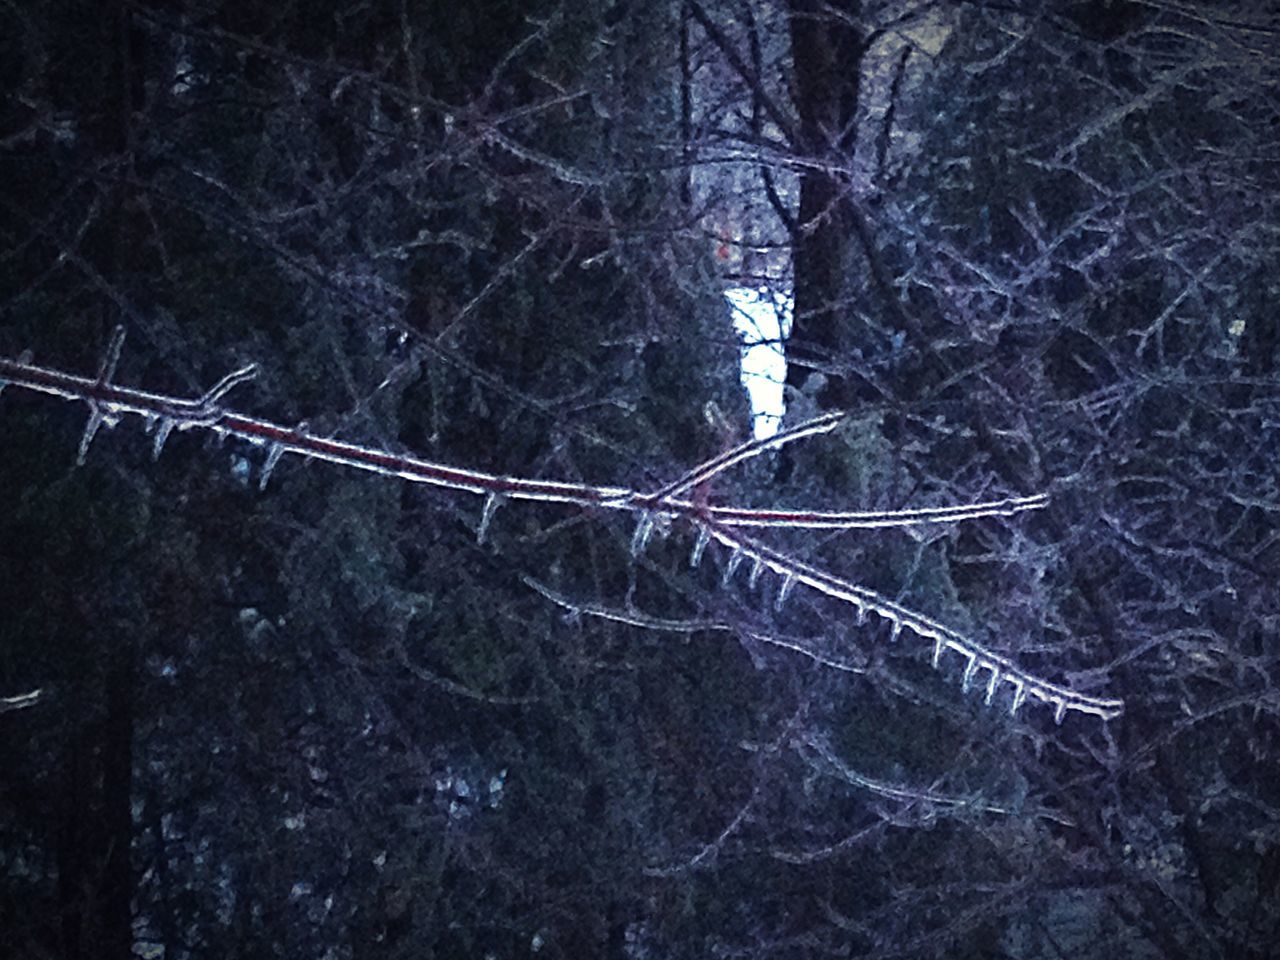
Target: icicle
x=162 y=434
x=1059 y=711
x=1019 y=697
x=699 y=546
x=895 y=630
x=992 y=682
x=757 y=567
x=969 y=671
x=788 y=582
x=273 y=457
x=938 y=644
x=644 y=528
x=301 y=430
x=734 y=561
x=862 y=613
x=90 y=430
x=491 y=504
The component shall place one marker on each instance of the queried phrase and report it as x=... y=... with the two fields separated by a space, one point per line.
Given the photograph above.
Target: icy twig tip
x=224 y=386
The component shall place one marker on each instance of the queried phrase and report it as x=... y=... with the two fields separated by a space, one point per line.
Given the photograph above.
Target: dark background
x=1033 y=248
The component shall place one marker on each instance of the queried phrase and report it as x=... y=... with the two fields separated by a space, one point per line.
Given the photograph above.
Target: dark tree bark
x=827 y=55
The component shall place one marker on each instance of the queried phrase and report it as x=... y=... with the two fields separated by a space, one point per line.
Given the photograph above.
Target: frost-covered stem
x=752 y=448
x=108 y=401
x=871 y=519
x=183 y=414
x=999 y=669
x=21 y=701
x=910 y=795
x=644 y=621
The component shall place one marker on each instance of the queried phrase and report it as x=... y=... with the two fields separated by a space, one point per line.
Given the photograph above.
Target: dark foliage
x=1032 y=248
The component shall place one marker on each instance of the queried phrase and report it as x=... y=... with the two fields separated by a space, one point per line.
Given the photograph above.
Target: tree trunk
x=827 y=56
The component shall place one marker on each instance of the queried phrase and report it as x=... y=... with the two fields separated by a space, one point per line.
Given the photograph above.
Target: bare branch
x=107 y=402
x=20 y=702
x=999 y=669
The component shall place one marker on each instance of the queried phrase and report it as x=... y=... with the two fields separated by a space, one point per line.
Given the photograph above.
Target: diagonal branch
x=745 y=73
x=911 y=795
x=108 y=401
x=635 y=618
x=746 y=451
x=999 y=669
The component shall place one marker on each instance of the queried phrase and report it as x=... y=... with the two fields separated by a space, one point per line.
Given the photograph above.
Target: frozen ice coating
x=722 y=524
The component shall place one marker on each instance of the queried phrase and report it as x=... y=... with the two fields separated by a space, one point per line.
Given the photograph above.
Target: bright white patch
x=762 y=318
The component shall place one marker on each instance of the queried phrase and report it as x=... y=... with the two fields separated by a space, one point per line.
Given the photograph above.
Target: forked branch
x=108 y=402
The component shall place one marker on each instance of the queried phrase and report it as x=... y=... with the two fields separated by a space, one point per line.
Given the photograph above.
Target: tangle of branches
x=108 y=402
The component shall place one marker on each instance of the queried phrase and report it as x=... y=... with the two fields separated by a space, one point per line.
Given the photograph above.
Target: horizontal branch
x=911 y=795
x=108 y=402
x=634 y=618
x=21 y=701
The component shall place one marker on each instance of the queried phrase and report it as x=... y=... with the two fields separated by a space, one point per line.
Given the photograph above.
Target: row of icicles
x=108 y=402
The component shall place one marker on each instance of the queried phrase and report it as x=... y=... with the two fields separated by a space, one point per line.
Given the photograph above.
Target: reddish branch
x=108 y=402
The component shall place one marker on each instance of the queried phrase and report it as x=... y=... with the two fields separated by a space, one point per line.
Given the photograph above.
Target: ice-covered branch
x=911 y=795
x=635 y=618
x=999 y=670
x=752 y=448
x=108 y=402
x=870 y=519
x=21 y=701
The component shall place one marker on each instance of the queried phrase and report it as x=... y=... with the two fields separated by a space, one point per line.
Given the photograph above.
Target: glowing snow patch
x=763 y=319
